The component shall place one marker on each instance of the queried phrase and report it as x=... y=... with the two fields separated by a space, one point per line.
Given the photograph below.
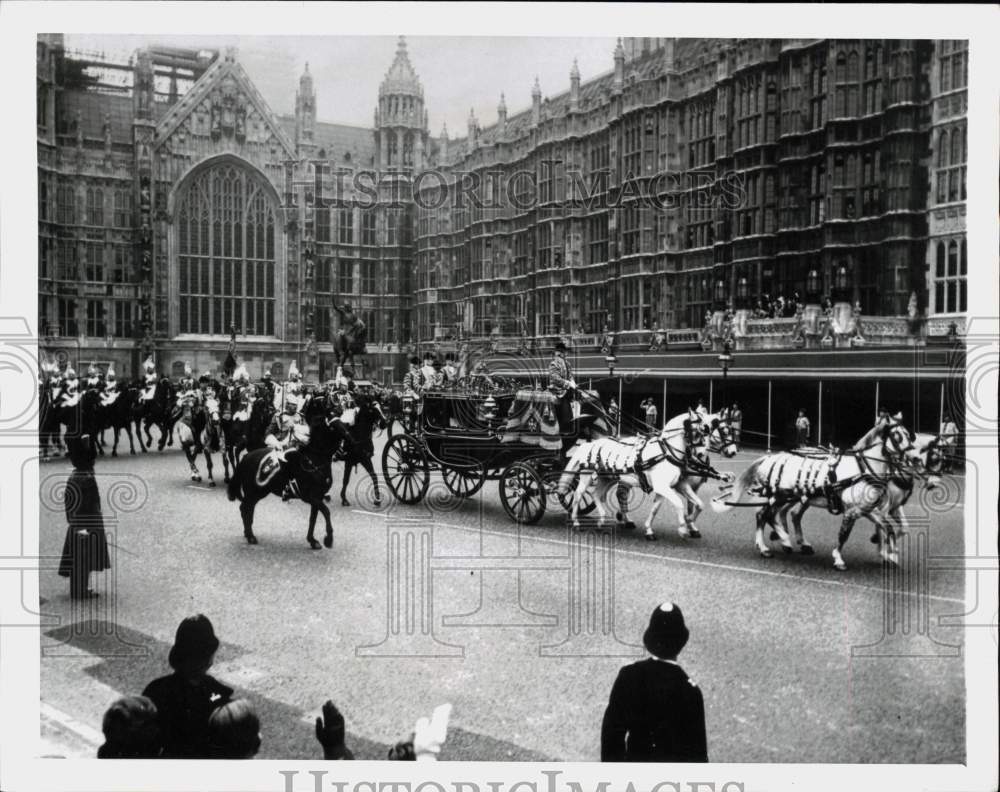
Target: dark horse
x=118 y=416
x=49 y=426
x=241 y=434
x=158 y=411
x=359 y=448
x=311 y=476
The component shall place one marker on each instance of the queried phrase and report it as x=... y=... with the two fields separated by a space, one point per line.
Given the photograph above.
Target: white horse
x=200 y=430
x=898 y=489
x=856 y=479
x=661 y=462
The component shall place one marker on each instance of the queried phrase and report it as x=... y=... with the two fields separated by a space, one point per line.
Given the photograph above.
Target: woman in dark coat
x=85 y=549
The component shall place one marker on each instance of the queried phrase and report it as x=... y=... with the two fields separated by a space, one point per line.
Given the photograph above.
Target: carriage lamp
x=742 y=292
x=812 y=284
x=720 y=291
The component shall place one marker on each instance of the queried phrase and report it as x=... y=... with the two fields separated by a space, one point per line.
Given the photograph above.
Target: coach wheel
x=405 y=469
x=587 y=505
x=522 y=493
x=464 y=481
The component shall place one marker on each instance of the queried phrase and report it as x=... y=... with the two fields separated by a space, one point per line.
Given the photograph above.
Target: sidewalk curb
x=63 y=736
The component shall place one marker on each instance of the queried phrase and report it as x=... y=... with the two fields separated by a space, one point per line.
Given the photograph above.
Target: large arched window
x=226 y=253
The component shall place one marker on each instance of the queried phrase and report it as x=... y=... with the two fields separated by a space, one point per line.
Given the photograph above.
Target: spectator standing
x=652 y=414
x=949 y=443
x=234 y=731
x=655 y=712
x=85 y=548
x=802 y=428
x=187 y=698
x=736 y=422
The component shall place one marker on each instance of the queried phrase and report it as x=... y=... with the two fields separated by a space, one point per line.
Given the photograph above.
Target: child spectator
x=234 y=731
x=130 y=730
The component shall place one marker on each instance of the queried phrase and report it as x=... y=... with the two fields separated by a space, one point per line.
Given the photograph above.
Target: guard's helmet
x=291 y=405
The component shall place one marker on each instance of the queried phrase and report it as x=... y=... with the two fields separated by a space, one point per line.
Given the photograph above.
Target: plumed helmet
x=148 y=364
x=293 y=371
x=267 y=374
x=187 y=369
x=241 y=374
x=111 y=372
x=291 y=403
x=70 y=373
x=92 y=370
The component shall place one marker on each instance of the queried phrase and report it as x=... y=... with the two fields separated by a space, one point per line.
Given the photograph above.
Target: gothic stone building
x=174 y=205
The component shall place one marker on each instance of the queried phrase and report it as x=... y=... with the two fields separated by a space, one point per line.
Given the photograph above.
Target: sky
x=457 y=73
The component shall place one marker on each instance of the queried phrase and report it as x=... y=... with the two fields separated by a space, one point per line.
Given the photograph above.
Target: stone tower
x=305 y=115
x=400 y=118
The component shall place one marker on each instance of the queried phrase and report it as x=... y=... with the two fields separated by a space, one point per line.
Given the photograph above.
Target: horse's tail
x=233 y=489
x=724 y=501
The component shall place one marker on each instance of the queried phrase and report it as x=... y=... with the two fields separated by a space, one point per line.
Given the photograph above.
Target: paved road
x=525 y=630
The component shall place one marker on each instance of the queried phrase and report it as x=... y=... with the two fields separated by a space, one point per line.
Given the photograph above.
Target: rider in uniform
x=287 y=433
x=268 y=386
x=70 y=388
x=450 y=371
x=150 y=378
x=94 y=380
x=111 y=387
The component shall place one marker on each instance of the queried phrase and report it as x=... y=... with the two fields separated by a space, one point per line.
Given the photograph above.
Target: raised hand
x=330 y=732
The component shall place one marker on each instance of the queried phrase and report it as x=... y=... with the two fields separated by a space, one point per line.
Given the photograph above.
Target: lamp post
x=611 y=360
x=726 y=360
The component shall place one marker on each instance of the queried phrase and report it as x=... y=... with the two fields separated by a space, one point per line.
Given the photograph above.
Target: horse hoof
x=651 y=537
x=313 y=544
x=766 y=554
x=774 y=536
x=874 y=538
x=114 y=453
x=806 y=549
x=251 y=539
x=328 y=540
x=132 y=452
x=326 y=498
x=225 y=480
x=344 y=502
x=683 y=533
x=377 y=501
x=694 y=533
x=787 y=549
x=840 y=565
x=211 y=484
x=628 y=525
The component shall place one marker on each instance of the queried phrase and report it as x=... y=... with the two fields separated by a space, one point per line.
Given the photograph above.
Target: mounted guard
x=287 y=433
x=94 y=380
x=111 y=390
x=150 y=378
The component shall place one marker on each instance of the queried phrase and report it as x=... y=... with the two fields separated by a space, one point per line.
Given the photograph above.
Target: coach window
x=225 y=218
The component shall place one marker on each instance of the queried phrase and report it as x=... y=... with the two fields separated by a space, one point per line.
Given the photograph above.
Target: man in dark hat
x=186 y=699
x=562 y=385
x=655 y=712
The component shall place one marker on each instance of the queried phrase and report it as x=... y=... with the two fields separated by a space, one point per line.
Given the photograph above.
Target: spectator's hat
x=560 y=346
x=667 y=634
x=267 y=374
x=194 y=644
x=110 y=374
x=415 y=360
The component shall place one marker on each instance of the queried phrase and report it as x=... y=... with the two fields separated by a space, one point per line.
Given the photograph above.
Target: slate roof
x=337 y=139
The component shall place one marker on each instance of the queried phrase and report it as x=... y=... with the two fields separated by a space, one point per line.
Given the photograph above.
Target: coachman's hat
x=194 y=644
x=667 y=634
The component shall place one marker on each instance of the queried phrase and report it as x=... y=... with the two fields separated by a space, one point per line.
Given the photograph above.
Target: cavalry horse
x=657 y=462
x=118 y=415
x=158 y=411
x=245 y=417
x=898 y=489
x=49 y=425
x=259 y=474
x=852 y=482
x=358 y=447
x=199 y=430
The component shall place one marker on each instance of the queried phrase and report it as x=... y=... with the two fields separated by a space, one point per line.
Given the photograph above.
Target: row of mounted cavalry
x=485 y=428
